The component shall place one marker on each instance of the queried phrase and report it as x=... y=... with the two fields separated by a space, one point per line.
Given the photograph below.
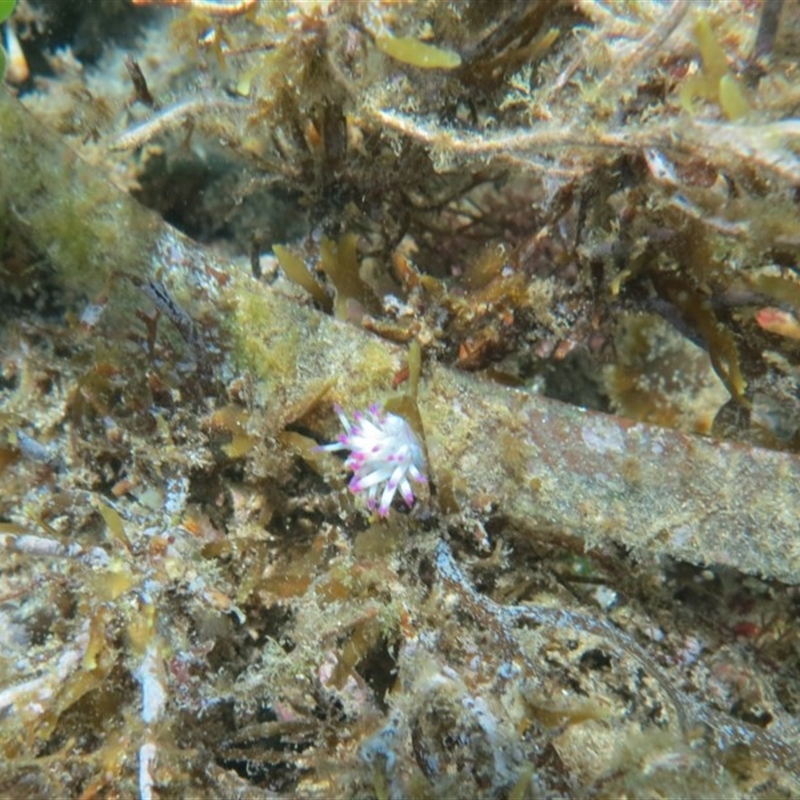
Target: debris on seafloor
x=191 y=600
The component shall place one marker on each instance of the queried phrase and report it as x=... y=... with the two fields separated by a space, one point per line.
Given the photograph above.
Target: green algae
x=409 y=50
x=93 y=232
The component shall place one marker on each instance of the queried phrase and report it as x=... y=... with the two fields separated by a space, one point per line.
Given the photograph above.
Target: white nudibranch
x=384 y=454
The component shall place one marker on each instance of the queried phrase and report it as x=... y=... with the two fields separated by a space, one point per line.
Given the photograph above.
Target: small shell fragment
x=218 y=8
x=17 y=69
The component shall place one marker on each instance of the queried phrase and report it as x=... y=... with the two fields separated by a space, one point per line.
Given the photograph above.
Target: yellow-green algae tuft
x=412 y=51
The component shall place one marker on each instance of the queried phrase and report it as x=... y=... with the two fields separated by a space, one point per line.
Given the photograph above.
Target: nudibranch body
x=384 y=455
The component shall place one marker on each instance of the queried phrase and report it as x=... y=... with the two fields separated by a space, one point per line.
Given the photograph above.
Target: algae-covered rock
x=192 y=599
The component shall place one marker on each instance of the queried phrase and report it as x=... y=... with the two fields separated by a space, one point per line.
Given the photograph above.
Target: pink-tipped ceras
x=384 y=454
